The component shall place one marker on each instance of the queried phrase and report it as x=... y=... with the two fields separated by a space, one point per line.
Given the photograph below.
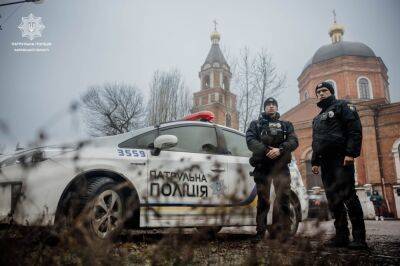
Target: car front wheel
x=104 y=209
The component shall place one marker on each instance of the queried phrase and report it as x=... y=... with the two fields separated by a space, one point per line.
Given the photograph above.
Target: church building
x=359 y=76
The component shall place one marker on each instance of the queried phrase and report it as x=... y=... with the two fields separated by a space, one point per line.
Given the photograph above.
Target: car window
x=142 y=141
x=199 y=139
x=236 y=144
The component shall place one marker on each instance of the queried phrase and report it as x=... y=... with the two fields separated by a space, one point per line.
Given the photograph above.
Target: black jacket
x=259 y=145
x=337 y=130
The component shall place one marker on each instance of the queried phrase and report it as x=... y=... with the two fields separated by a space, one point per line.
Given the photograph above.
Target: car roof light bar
x=204 y=116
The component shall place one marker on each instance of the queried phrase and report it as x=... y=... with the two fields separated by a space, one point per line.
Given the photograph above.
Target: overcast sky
x=98 y=41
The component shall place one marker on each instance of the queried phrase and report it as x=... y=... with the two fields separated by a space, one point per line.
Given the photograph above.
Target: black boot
x=257 y=238
x=337 y=242
x=358 y=245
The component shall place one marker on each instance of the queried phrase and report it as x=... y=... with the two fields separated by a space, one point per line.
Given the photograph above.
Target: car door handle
x=218 y=170
x=138 y=163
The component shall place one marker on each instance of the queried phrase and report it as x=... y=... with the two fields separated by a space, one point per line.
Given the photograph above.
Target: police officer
x=337 y=137
x=271 y=140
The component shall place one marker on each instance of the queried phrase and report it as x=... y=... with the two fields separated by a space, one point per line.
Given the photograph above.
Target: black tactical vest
x=272 y=133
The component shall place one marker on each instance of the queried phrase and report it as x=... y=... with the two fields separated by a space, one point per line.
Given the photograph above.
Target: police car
x=185 y=173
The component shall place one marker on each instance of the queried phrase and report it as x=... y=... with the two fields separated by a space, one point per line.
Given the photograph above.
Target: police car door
x=240 y=185
x=185 y=180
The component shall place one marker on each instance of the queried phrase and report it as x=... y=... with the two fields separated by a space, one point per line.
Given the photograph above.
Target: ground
x=181 y=247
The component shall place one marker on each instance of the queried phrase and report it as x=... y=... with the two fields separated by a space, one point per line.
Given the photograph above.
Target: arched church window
x=398 y=148
x=396 y=157
x=364 y=88
x=226 y=83
x=228 y=120
x=220 y=98
x=206 y=82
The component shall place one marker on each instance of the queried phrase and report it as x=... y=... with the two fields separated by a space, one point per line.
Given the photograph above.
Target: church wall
x=217 y=80
x=305 y=140
x=389 y=132
x=219 y=109
x=369 y=149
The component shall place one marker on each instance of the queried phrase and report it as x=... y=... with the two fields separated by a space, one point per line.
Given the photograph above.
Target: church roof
x=337 y=49
x=215 y=55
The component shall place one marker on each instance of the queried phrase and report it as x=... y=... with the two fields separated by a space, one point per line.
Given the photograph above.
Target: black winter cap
x=326 y=85
x=270 y=100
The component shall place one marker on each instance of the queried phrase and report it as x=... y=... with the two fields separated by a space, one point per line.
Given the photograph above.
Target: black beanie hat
x=326 y=85
x=270 y=100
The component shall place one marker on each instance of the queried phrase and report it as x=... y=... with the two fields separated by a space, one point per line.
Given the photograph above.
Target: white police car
x=178 y=174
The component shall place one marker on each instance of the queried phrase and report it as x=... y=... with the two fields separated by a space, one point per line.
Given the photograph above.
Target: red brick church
x=360 y=76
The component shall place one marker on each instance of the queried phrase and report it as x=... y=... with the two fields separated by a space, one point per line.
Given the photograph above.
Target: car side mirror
x=164 y=142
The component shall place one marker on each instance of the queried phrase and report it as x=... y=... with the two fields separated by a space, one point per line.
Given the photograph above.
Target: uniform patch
x=351 y=107
x=274 y=125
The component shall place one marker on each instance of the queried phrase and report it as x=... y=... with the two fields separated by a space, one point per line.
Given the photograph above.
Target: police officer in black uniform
x=337 y=137
x=271 y=140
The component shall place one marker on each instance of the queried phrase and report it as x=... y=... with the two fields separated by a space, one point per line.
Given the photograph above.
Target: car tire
x=295 y=218
x=103 y=209
x=209 y=231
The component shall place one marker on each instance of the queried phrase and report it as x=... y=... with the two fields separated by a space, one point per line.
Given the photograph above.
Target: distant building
x=215 y=94
x=358 y=75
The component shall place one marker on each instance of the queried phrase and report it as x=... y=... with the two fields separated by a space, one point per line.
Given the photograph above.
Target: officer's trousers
x=281 y=180
x=340 y=191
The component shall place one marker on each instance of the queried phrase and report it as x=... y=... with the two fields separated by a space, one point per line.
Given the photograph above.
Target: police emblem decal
x=331 y=114
x=218 y=187
x=31 y=27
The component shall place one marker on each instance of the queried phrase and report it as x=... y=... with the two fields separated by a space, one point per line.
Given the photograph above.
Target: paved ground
x=390 y=228
x=232 y=246
x=383 y=238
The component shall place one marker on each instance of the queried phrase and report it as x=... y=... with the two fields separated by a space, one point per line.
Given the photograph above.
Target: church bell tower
x=215 y=93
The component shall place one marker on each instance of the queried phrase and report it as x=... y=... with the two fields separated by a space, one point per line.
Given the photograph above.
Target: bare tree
x=231 y=59
x=170 y=99
x=267 y=81
x=113 y=109
x=244 y=87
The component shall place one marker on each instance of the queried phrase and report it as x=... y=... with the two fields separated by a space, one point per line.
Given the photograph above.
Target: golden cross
x=334 y=15
x=215 y=24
